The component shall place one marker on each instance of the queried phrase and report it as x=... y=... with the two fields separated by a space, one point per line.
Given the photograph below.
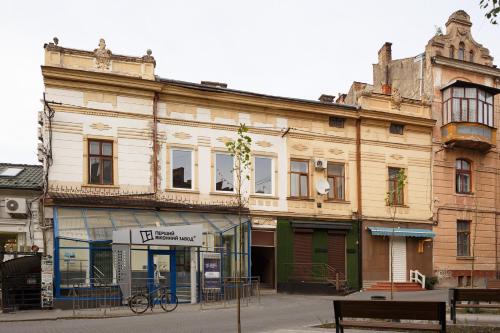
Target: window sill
x=300 y=199
x=264 y=196
x=230 y=194
x=337 y=201
x=182 y=190
x=465 y=258
x=470 y=194
x=100 y=186
x=398 y=206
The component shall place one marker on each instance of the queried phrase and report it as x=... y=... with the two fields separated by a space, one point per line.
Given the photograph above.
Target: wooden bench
x=432 y=313
x=472 y=295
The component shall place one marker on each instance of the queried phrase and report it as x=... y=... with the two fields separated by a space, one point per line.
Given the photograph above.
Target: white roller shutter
x=399 y=263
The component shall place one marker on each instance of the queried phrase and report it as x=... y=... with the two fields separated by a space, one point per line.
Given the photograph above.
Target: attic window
x=336 y=122
x=11 y=172
x=396 y=129
x=461 y=51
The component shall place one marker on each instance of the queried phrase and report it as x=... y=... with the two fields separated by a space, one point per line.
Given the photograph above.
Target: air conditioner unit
x=15 y=205
x=320 y=163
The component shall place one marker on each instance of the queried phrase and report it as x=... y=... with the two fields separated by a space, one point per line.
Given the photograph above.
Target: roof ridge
x=21 y=164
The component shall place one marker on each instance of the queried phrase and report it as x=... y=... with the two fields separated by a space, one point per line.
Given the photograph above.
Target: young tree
x=393 y=200
x=240 y=150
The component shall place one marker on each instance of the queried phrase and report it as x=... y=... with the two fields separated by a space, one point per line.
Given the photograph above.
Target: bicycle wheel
x=139 y=303
x=168 y=302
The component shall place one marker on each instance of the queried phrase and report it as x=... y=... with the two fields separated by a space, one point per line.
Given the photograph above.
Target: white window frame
x=272 y=176
x=215 y=173
x=172 y=169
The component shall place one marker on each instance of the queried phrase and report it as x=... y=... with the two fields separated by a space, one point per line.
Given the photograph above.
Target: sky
x=287 y=48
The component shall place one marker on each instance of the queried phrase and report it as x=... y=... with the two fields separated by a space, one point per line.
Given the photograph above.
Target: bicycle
x=140 y=302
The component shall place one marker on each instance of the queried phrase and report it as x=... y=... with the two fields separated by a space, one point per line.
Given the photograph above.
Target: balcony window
x=464 y=104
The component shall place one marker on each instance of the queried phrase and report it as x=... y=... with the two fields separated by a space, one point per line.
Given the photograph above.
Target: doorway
x=162 y=271
x=399 y=263
x=263 y=265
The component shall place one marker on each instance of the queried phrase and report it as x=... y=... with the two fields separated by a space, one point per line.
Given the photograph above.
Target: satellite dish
x=322 y=186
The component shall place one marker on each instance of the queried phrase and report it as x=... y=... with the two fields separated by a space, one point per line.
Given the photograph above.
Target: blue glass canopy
x=402 y=232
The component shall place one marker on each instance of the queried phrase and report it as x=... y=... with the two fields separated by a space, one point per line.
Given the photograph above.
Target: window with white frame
x=182 y=169
x=263 y=175
x=224 y=175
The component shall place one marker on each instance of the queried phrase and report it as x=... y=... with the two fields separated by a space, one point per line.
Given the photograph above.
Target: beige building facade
x=457 y=76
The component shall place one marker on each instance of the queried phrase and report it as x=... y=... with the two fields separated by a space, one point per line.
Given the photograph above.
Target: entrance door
x=399 y=263
x=163 y=263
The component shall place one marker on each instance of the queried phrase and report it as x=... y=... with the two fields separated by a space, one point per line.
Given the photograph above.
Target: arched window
x=462 y=176
x=452 y=51
x=471 y=56
x=461 y=51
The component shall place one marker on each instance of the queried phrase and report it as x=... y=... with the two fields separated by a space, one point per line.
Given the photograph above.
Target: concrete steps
x=398 y=286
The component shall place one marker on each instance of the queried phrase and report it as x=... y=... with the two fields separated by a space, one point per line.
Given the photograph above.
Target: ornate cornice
x=466 y=66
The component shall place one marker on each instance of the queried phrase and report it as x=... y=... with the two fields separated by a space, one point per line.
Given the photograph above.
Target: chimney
x=341 y=98
x=214 y=84
x=326 y=98
x=385 y=54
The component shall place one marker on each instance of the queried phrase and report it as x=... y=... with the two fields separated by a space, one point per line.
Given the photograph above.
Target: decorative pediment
x=263 y=144
x=224 y=139
x=300 y=147
x=100 y=126
x=335 y=151
x=182 y=135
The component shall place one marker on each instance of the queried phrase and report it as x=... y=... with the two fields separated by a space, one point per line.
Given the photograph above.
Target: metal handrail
x=315 y=272
x=416 y=276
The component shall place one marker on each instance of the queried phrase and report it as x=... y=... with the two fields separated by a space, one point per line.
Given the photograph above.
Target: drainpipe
x=155 y=143
x=360 y=206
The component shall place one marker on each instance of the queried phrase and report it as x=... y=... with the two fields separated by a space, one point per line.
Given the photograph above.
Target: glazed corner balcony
x=468 y=120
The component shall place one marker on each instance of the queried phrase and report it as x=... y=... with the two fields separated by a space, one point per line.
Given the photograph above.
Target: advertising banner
x=188 y=235
x=211 y=271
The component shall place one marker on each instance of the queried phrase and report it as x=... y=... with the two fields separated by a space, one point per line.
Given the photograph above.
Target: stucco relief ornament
x=396 y=99
x=102 y=55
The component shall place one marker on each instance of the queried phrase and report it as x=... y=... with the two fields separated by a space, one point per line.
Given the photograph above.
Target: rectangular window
x=100 y=162
x=224 y=167
x=396 y=197
x=182 y=174
x=336 y=122
x=463 y=238
x=396 y=129
x=299 y=179
x=263 y=175
x=336 y=179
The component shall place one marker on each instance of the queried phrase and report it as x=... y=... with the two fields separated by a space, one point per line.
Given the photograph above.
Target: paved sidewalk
x=277 y=313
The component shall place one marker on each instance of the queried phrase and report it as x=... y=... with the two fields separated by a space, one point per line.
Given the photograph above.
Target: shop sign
x=211 y=271
x=189 y=235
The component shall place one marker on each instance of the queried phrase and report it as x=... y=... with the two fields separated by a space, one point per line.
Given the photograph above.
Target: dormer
x=458 y=43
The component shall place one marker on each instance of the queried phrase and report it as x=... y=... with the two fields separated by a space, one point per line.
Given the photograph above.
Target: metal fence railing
x=314 y=273
x=247 y=288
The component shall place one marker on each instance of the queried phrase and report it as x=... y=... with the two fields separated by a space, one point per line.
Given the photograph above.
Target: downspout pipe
x=155 y=143
x=360 y=205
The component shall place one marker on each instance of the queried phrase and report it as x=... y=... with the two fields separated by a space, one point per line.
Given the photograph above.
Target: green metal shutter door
x=336 y=252
x=302 y=255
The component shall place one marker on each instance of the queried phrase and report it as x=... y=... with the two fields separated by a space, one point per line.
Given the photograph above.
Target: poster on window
x=211 y=271
x=47 y=272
